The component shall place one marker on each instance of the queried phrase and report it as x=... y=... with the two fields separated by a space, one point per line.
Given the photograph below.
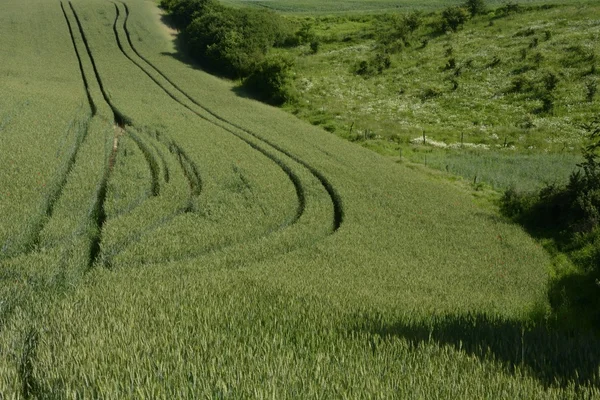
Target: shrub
x=510 y=7
x=305 y=34
x=450 y=64
x=395 y=31
x=591 y=88
x=475 y=7
x=585 y=183
x=183 y=11
x=232 y=42
x=550 y=81
x=431 y=93
x=374 y=65
x=520 y=84
x=495 y=62
x=271 y=80
x=573 y=209
x=453 y=18
x=314 y=46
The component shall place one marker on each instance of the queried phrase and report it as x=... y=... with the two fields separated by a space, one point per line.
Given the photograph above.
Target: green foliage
x=571 y=212
x=271 y=80
x=314 y=46
x=453 y=18
x=184 y=11
x=234 y=42
x=570 y=209
x=509 y=7
x=305 y=34
x=375 y=65
x=591 y=87
x=230 y=41
x=585 y=184
x=395 y=31
x=475 y=7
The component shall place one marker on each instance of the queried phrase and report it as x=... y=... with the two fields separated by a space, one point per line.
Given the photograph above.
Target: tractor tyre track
x=83 y=77
x=151 y=161
x=120 y=119
x=338 y=208
x=163 y=161
x=300 y=194
x=32 y=236
x=98 y=211
x=188 y=169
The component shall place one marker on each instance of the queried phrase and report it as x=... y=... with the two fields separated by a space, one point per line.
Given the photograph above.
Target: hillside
x=163 y=237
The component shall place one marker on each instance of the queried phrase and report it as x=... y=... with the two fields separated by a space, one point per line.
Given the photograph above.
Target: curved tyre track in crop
x=190 y=170
x=336 y=200
x=31 y=237
x=81 y=70
x=286 y=169
x=154 y=158
x=98 y=213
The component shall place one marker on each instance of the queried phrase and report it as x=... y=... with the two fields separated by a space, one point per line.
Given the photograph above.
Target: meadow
x=521 y=84
x=163 y=237
x=318 y=7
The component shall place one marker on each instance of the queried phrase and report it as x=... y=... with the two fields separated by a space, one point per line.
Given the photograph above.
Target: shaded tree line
x=235 y=43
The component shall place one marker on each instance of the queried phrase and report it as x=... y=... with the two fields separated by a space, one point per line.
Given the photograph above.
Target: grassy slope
x=419 y=293
x=346 y=6
x=387 y=111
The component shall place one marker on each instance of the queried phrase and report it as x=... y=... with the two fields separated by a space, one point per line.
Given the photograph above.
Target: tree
x=453 y=18
x=475 y=7
x=271 y=80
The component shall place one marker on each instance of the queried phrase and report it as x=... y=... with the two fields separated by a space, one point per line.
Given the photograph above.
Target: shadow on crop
x=183 y=55
x=181 y=52
x=553 y=356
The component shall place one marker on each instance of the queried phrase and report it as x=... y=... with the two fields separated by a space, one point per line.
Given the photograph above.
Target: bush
x=453 y=18
x=305 y=34
x=314 y=46
x=431 y=93
x=373 y=66
x=395 y=31
x=475 y=7
x=271 y=80
x=591 y=88
x=510 y=7
x=573 y=209
x=520 y=84
x=232 y=42
x=183 y=11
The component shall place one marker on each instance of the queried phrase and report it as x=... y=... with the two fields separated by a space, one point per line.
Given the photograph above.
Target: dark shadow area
x=169 y=21
x=182 y=54
x=575 y=300
x=240 y=91
x=573 y=296
x=181 y=51
x=554 y=357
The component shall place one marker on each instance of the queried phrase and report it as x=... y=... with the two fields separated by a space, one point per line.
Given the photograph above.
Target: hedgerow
x=234 y=42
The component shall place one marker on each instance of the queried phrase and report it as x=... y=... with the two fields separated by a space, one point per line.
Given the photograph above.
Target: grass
x=315 y=7
x=444 y=86
x=225 y=248
x=500 y=170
